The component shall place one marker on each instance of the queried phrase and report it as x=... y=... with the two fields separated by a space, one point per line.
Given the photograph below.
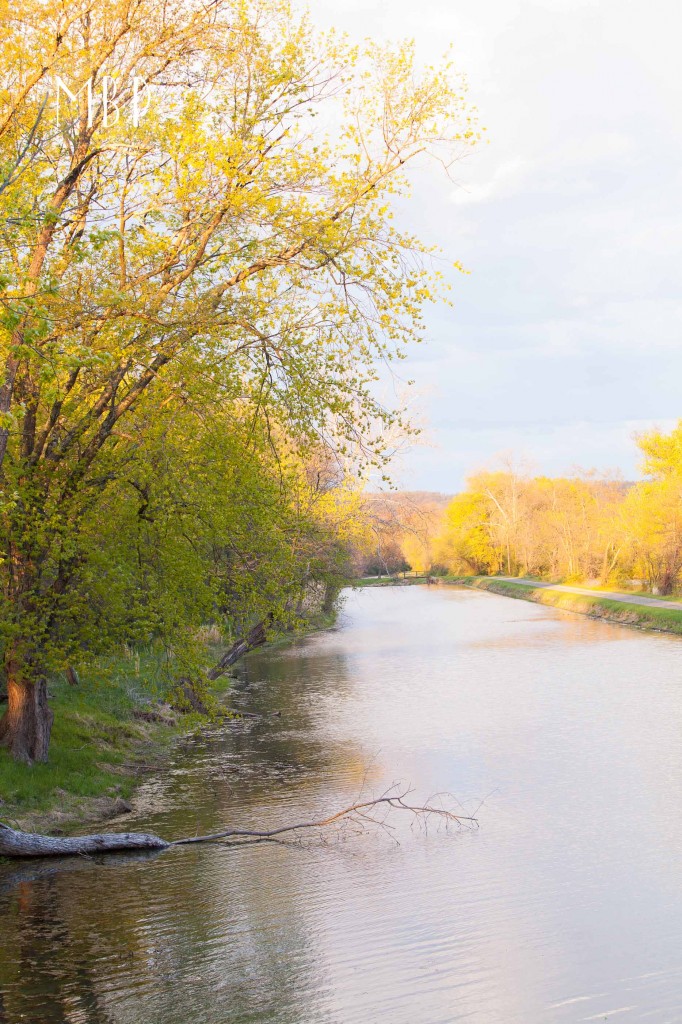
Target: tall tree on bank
x=218 y=240
x=652 y=512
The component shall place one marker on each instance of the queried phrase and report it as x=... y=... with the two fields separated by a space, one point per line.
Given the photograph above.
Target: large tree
x=227 y=240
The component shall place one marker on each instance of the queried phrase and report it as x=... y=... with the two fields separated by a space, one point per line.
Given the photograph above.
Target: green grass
x=668 y=620
x=97 y=739
x=94 y=733
x=628 y=590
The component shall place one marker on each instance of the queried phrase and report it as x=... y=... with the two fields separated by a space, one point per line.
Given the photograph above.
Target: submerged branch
x=14 y=843
x=355 y=812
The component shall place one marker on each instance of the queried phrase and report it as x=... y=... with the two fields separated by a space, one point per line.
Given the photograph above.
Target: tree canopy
x=200 y=275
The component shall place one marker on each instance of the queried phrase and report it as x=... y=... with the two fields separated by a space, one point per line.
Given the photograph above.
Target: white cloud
x=569 y=328
x=508 y=178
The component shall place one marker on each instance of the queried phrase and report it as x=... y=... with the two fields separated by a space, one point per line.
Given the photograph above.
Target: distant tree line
x=582 y=527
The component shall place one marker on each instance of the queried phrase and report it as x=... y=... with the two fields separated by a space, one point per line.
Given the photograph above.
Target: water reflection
x=565 y=906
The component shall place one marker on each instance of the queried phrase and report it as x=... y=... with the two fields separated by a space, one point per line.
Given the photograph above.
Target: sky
x=564 y=340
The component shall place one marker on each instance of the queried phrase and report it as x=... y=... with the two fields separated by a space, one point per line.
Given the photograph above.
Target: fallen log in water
x=27 y=844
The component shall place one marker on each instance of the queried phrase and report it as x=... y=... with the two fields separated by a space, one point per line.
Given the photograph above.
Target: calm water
x=565 y=905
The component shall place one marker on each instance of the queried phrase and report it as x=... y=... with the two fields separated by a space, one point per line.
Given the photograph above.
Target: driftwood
x=359 y=813
x=26 y=844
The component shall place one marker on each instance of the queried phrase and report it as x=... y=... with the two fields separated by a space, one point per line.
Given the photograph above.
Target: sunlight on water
x=565 y=905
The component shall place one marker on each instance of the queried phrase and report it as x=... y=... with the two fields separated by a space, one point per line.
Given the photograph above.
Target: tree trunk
x=331 y=591
x=27 y=723
x=256 y=637
x=666 y=584
x=27 y=844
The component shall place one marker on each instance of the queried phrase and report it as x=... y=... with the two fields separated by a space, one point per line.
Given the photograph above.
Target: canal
x=565 y=905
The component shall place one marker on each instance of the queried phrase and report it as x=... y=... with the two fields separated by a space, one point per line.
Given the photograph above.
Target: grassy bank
x=668 y=620
x=108 y=733
x=104 y=728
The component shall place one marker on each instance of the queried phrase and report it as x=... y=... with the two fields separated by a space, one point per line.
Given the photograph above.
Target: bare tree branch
x=14 y=843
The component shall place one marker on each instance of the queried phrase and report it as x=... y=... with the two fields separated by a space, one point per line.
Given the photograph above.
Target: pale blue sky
x=565 y=339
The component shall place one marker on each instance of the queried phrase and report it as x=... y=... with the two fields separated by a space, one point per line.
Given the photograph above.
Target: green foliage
x=193 y=312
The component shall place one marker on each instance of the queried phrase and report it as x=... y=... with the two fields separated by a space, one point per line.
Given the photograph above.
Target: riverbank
x=596 y=606
x=388 y=581
x=568 y=732
x=110 y=732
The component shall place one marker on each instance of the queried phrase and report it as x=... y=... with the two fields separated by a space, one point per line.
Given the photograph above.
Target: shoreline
x=646 y=617
x=387 y=581
x=108 y=738
x=122 y=758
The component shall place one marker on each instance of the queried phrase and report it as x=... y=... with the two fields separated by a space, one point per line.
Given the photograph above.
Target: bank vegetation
x=194 y=304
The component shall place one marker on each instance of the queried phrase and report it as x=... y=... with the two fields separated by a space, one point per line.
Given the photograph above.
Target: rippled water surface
x=564 y=906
